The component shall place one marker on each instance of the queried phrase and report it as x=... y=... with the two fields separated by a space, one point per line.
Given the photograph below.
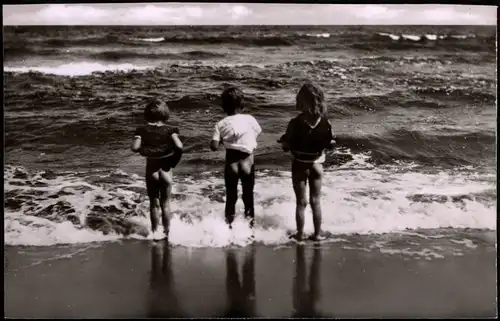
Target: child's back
x=238 y=133
x=307 y=141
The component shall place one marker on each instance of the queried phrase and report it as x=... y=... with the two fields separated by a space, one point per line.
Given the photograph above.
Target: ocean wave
x=432 y=37
x=423 y=147
x=235 y=40
x=157 y=39
x=461 y=94
x=458 y=58
x=46 y=208
x=112 y=39
x=319 y=35
x=414 y=98
x=384 y=40
x=17 y=52
x=76 y=69
x=316 y=37
x=124 y=55
x=271 y=39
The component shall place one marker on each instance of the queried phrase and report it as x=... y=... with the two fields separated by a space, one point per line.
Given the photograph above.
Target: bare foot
x=297 y=236
x=316 y=238
x=158 y=235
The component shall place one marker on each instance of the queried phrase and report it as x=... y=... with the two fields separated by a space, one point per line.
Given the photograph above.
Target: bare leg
x=165 y=192
x=231 y=180
x=315 y=182
x=248 y=183
x=299 y=179
x=154 y=202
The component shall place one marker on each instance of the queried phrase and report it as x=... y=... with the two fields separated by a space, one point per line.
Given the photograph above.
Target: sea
x=413 y=109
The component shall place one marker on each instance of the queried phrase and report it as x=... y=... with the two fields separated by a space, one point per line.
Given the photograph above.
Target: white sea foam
x=158 y=39
x=354 y=200
x=411 y=37
x=76 y=69
x=428 y=36
x=319 y=35
x=463 y=36
x=390 y=35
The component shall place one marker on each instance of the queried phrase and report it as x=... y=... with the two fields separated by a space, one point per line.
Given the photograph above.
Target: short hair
x=232 y=99
x=313 y=96
x=156 y=110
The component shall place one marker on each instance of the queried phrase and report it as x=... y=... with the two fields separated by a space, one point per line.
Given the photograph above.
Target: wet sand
x=136 y=279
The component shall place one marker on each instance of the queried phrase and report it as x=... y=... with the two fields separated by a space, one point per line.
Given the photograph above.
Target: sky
x=246 y=14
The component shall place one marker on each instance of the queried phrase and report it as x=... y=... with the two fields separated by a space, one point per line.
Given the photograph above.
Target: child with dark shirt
x=238 y=132
x=307 y=136
x=159 y=143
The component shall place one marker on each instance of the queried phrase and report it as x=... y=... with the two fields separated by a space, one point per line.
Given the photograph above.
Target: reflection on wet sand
x=163 y=301
x=306 y=296
x=240 y=296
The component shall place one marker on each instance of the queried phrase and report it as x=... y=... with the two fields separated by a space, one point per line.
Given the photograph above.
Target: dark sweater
x=307 y=143
x=156 y=141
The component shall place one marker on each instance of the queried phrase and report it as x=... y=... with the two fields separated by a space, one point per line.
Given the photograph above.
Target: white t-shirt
x=238 y=132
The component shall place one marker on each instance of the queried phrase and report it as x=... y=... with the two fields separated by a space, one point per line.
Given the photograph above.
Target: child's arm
x=285 y=139
x=178 y=150
x=216 y=139
x=177 y=143
x=136 y=143
x=331 y=139
x=284 y=145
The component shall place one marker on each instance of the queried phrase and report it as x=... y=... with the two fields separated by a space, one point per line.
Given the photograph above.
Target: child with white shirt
x=238 y=133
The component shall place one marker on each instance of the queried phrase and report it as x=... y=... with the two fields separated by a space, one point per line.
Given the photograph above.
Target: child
x=238 y=132
x=307 y=136
x=161 y=146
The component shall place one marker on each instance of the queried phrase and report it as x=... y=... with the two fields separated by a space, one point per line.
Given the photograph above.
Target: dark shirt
x=156 y=141
x=308 y=143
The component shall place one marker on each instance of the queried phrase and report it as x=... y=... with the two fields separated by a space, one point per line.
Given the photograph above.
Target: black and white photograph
x=249 y=160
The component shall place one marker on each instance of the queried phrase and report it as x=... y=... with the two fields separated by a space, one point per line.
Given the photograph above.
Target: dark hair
x=312 y=95
x=156 y=110
x=232 y=99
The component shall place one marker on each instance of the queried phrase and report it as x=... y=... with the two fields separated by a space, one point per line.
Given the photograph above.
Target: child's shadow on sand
x=306 y=294
x=240 y=295
x=163 y=301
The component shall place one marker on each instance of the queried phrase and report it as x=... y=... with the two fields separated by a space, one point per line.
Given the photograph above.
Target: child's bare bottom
x=159 y=186
x=302 y=173
x=239 y=165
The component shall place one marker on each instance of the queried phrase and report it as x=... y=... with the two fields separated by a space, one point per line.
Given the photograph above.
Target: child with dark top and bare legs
x=159 y=143
x=307 y=136
x=238 y=133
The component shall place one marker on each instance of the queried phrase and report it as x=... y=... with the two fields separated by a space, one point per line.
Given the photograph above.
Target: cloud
x=377 y=12
x=245 y=14
x=240 y=11
x=71 y=14
x=445 y=15
x=151 y=14
x=64 y=14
